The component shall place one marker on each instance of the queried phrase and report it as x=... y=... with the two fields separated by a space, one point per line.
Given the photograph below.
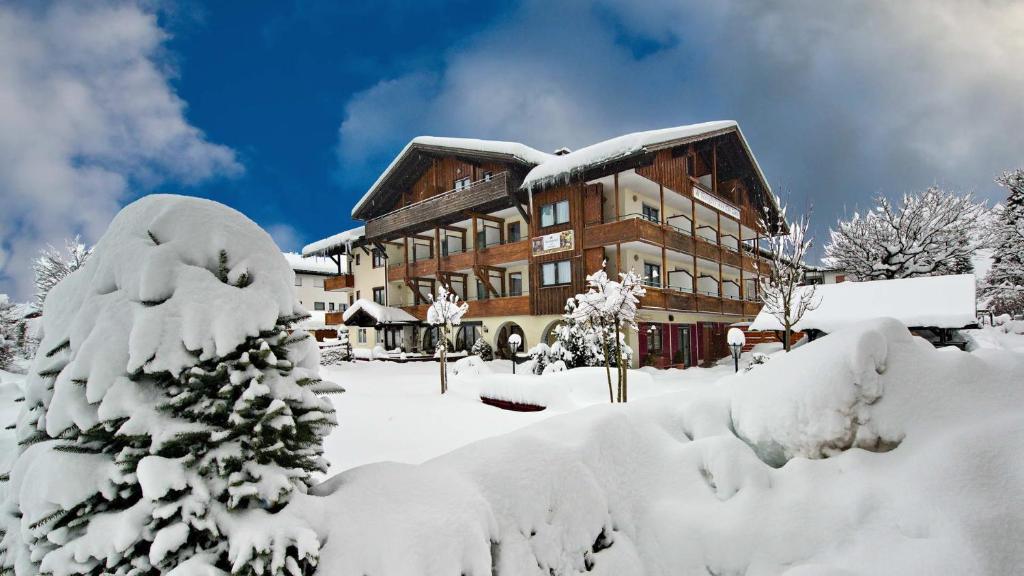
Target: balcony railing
x=481 y=193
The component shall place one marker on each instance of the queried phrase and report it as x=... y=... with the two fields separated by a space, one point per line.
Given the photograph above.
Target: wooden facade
x=432 y=193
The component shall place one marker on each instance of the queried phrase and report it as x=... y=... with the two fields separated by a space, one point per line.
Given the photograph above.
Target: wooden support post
x=661 y=210
x=616 y=180
x=618 y=258
x=664 y=273
x=714 y=168
x=476 y=237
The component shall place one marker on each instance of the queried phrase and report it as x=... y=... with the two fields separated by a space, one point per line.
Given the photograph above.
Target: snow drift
x=761 y=474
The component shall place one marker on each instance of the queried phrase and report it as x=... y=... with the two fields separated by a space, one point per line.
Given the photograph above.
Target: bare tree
x=781 y=291
x=445 y=312
x=927 y=234
x=53 y=264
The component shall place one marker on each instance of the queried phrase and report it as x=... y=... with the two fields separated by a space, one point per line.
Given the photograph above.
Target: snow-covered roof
x=382 y=314
x=325 y=245
x=560 y=167
x=312 y=264
x=516 y=150
x=932 y=301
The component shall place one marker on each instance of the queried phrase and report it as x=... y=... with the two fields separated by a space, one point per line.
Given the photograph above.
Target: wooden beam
x=494 y=219
x=484 y=277
x=616 y=180
x=520 y=208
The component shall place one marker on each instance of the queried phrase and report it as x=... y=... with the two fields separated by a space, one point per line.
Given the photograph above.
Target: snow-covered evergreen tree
x=781 y=289
x=445 y=312
x=1004 y=283
x=54 y=264
x=8 y=332
x=927 y=234
x=576 y=343
x=169 y=415
x=482 y=349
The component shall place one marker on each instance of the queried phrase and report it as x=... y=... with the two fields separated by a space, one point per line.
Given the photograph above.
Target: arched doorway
x=507 y=329
x=549 y=335
x=467 y=336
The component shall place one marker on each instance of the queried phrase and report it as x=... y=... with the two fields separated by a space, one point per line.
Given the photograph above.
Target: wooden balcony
x=751 y=308
x=334 y=318
x=339 y=283
x=481 y=195
x=418 y=269
x=509 y=306
x=625 y=230
x=502 y=254
x=658 y=298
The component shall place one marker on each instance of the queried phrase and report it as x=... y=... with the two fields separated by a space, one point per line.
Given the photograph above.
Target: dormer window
x=462 y=183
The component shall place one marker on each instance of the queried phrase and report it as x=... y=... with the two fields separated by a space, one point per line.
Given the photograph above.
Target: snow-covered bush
x=540 y=357
x=756 y=359
x=470 y=366
x=556 y=366
x=482 y=349
x=169 y=414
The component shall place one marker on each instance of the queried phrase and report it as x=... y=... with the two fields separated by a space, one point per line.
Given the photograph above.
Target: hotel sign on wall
x=716 y=203
x=552 y=243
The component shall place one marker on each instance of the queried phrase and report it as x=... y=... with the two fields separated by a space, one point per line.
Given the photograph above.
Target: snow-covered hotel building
x=515 y=231
x=310 y=277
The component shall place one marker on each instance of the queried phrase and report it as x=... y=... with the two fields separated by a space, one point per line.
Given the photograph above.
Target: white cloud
x=87 y=119
x=840 y=100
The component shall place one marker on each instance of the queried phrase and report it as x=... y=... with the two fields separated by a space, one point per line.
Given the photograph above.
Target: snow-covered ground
x=394 y=412
x=865 y=452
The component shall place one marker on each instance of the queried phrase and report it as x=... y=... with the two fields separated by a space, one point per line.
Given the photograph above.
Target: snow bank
x=664 y=485
x=934 y=301
x=816 y=400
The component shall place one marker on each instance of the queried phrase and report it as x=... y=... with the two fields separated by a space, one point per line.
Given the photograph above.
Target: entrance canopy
x=369 y=314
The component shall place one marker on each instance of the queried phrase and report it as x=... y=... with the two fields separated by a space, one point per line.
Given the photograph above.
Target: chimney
x=562 y=151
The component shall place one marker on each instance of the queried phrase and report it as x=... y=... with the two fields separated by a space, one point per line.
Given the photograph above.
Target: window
x=330 y=306
x=555 y=273
x=554 y=213
x=378 y=259
x=298 y=280
x=652 y=274
x=318 y=282
x=357 y=259
x=378 y=295
x=361 y=336
x=462 y=183
x=651 y=213
x=488 y=176
x=515 y=284
x=481 y=291
x=318 y=306
x=654 y=339
x=357 y=294
x=514 y=232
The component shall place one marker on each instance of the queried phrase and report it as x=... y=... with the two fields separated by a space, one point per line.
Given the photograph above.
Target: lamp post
x=514 y=341
x=736 y=340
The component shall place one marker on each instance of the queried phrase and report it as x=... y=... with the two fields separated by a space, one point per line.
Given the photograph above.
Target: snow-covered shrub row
x=665 y=486
x=169 y=412
x=469 y=366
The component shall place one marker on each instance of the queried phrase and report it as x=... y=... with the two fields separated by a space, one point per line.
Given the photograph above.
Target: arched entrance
x=549 y=335
x=507 y=329
x=467 y=336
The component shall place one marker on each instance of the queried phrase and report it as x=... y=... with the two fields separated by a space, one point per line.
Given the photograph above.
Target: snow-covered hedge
x=169 y=412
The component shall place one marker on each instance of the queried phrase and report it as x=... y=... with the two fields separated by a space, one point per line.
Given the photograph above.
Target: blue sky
x=287 y=111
